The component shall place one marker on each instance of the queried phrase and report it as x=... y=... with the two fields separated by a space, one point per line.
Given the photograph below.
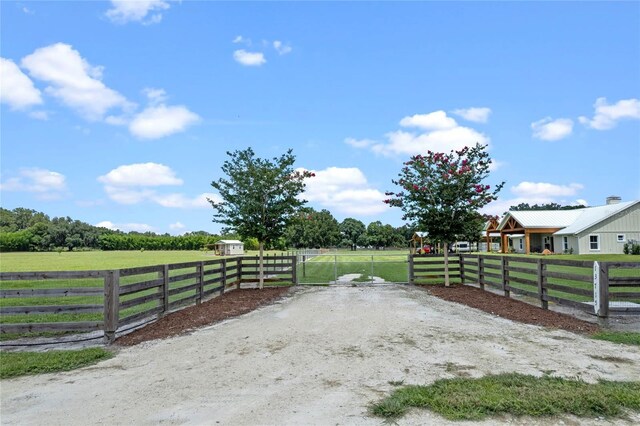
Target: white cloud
x=155 y=96
x=125 y=227
x=177 y=225
x=405 y=143
x=440 y=134
x=250 y=59
x=47 y=185
x=437 y=120
x=74 y=81
x=549 y=129
x=16 y=89
x=143 y=11
x=543 y=189
x=477 y=115
x=359 y=143
x=345 y=190
x=181 y=201
x=39 y=115
x=281 y=48
x=607 y=116
x=161 y=120
x=141 y=174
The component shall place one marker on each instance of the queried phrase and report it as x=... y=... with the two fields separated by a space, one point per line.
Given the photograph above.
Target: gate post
x=410 y=278
x=111 y=305
x=601 y=289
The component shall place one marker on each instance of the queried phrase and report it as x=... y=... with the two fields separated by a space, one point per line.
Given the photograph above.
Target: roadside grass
x=15 y=364
x=626 y=337
x=515 y=394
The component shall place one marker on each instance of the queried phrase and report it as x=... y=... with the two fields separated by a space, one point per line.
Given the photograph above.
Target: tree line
x=24 y=229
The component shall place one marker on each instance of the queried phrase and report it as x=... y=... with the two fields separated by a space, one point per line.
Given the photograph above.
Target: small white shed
x=229 y=247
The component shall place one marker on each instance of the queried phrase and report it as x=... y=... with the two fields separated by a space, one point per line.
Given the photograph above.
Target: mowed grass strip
x=515 y=394
x=625 y=337
x=15 y=364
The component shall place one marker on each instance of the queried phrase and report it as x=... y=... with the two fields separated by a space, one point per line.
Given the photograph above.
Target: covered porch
x=535 y=239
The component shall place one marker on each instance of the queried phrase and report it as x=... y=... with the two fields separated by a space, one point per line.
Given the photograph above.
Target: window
x=565 y=243
x=521 y=246
x=620 y=238
x=594 y=242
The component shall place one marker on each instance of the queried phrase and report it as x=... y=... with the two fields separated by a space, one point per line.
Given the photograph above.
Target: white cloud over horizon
x=477 y=115
x=141 y=174
x=125 y=227
x=536 y=193
x=607 y=115
x=45 y=184
x=144 y=11
x=281 y=47
x=345 y=190
x=249 y=59
x=16 y=89
x=549 y=129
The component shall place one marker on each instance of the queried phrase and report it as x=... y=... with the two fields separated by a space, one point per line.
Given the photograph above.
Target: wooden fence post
x=411 y=272
x=542 y=281
x=111 y=305
x=481 y=272
x=461 y=267
x=294 y=270
x=200 y=278
x=603 y=289
x=165 y=289
x=504 y=262
x=223 y=276
x=239 y=273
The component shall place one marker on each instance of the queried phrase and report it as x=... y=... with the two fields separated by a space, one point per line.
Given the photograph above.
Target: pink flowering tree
x=441 y=193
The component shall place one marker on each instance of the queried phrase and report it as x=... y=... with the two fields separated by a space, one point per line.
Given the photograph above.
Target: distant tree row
x=28 y=230
x=316 y=229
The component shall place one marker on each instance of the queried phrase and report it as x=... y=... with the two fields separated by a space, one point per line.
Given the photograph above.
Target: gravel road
x=319 y=356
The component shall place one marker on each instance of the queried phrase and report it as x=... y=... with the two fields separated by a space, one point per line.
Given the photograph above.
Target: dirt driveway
x=319 y=356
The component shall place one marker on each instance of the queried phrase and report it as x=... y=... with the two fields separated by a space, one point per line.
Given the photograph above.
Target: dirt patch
x=228 y=305
x=509 y=308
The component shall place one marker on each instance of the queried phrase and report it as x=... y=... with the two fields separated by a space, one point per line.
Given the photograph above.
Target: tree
x=313 y=229
x=547 y=206
x=441 y=193
x=351 y=229
x=259 y=196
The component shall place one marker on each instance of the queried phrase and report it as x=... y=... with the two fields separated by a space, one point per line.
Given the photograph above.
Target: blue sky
x=120 y=113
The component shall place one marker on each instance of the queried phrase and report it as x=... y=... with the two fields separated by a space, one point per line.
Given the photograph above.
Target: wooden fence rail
x=113 y=299
x=429 y=268
x=585 y=285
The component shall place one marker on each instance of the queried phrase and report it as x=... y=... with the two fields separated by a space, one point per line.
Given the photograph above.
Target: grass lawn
x=14 y=364
x=626 y=337
x=515 y=394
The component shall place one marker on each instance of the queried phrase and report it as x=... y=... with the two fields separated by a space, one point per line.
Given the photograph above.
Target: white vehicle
x=461 y=247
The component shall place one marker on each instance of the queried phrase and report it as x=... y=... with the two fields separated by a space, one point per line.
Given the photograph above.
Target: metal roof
x=593 y=215
x=229 y=242
x=542 y=218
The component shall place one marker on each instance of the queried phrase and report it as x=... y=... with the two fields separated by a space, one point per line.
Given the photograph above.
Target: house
x=229 y=247
x=601 y=229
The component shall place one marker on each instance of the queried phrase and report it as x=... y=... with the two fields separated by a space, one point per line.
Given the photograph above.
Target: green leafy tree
x=547 y=206
x=259 y=196
x=351 y=230
x=442 y=192
x=313 y=229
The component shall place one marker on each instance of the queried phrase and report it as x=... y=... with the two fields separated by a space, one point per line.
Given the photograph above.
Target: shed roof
x=593 y=215
x=229 y=242
x=542 y=218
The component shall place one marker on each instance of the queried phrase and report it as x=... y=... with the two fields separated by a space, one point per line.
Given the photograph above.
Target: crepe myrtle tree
x=442 y=192
x=259 y=196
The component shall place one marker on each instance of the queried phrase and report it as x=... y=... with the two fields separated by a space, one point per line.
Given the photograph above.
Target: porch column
x=505 y=243
x=488 y=242
x=526 y=242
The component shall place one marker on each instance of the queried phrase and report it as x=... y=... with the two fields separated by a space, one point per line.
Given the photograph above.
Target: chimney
x=613 y=199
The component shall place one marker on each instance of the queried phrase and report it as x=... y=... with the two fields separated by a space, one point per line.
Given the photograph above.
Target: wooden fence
x=429 y=268
x=81 y=301
x=565 y=282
